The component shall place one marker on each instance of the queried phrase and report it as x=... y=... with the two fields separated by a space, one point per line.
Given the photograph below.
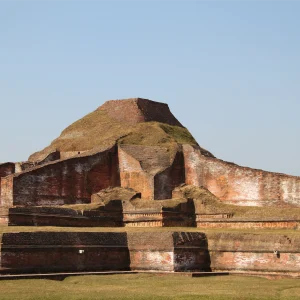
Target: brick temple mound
x=131 y=163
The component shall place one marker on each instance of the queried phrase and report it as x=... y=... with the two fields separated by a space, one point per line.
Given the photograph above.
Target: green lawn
x=151 y=286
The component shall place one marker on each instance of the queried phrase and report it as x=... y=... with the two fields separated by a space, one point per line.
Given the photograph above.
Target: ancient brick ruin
x=131 y=163
x=147 y=152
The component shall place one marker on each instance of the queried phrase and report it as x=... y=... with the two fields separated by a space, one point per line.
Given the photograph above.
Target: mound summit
x=132 y=121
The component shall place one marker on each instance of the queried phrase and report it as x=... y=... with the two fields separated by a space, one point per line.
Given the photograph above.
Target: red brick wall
x=139 y=110
x=68 y=181
x=157 y=111
x=168 y=251
x=59 y=251
x=123 y=111
x=7 y=191
x=151 y=170
x=151 y=251
x=159 y=251
x=5 y=170
x=167 y=180
x=277 y=224
x=240 y=185
x=254 y=252
x=133 y=176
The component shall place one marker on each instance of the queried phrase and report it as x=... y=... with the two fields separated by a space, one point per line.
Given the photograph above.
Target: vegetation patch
x=99 y=129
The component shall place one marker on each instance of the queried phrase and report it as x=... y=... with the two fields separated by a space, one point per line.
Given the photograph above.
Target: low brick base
x=36 y=252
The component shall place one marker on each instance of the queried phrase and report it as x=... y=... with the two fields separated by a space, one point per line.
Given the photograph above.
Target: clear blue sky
x=229 y=70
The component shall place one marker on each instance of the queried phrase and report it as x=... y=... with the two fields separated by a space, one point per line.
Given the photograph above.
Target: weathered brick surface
x=190 y=252
x=151 y=251
x=50 y=216
x=254 y=252
x=5 y=170
x=99 y=219
x=167 y=251
x=255 y=261
x=59 y=251
x=6 y=191
x=139 y=110
x=67 y=181
x=160 y=251
x=167 y=180
x=240 y=185
x=133 y=176
x=249 y=224
x=152 y=171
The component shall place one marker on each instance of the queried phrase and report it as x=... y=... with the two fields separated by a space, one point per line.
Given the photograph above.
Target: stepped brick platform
x=48 y=252
x=103 y=251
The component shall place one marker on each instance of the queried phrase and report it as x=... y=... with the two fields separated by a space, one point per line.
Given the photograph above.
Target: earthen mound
x=132 y=121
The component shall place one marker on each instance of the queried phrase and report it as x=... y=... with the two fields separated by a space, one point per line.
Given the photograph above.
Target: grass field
x=267 y=231
x=150 y=286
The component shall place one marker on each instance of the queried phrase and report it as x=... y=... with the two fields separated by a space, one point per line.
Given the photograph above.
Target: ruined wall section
x=133 y=176
x=65 y=251
x=68 y=181
x=5 y=170
x=157 y=251
x=139 y=110
x=151 y=251
x=238 y=185
x=103 y=251
x=166 y=181
x=168 y=251
x=254 y=252
x=116 y=109
x=6 y=195
x=156 y=111
x=153 y=171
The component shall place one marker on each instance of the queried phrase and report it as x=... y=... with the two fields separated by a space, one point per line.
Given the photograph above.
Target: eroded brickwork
x=5 y=170
x=6 y=191
x=64 y=182
x=254 y=252
x=133 y=176
x=152 y=171
x=99 y=251
x=240 y=185
x=166 y=181
x=139 y=110
x=249 y=224
x=64 y=251
x=157 y=251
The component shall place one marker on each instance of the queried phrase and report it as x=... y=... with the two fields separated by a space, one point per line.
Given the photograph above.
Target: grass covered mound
x=208 y=203
x=95 y=129
x=99 y=129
